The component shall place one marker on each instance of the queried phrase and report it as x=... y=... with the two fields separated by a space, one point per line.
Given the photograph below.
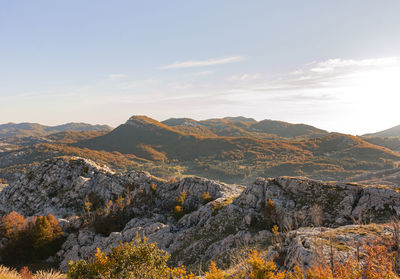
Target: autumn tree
x=29 y=239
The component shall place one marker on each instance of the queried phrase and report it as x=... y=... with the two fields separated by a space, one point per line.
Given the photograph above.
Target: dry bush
x=49 y=275
x=7 y=273
x=376 y=264
x=317 y=215
x=25 y=273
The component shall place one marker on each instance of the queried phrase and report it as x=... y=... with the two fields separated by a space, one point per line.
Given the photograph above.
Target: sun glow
x=372 y=97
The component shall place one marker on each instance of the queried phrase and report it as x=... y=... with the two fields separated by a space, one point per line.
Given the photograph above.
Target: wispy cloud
x=116 y=76
x=244 y=77
x=204 y=73
x=203 y=63
x=332 y=73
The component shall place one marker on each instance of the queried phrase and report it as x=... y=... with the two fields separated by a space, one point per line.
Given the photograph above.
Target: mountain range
x=231 y=149
x=243 y=127
x=34 y=129
x=204 y=148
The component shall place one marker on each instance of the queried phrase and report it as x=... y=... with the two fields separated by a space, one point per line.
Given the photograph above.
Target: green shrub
x=136 y=259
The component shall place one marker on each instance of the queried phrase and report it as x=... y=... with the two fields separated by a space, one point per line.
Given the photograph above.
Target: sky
x=331 y=64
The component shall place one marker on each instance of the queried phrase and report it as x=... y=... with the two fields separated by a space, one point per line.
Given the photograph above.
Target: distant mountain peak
x=142 y=121
x=391 y=132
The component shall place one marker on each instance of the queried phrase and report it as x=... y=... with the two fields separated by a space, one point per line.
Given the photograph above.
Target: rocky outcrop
x=59 y=186
x=338 y=203
x=230 y=218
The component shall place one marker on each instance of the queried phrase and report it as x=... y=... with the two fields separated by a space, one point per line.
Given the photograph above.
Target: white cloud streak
x=202 y=63
x=332 y=73
x=205 y=73
x=116 y=76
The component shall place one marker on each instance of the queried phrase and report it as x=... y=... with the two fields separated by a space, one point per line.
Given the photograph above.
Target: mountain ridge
x=24 y=129
x=330 y=154
x=245 y=127
x=388 y=133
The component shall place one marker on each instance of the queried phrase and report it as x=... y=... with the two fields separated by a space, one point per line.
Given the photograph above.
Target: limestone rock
x=234 y=217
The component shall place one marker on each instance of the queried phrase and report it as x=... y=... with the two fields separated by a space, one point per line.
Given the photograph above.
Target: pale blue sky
x=333 y=64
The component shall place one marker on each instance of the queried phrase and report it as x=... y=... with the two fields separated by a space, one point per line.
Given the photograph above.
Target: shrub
x=95 y=201
x=25 y=273
x=378 y=263
x=46 y=236
x=181 y=198
x=214 y=272
x=49 y=275
x=206 y=197
x=181 y=273
x=179 y=209
x=112 y=218
x=270 y=213
x=136 y=259
x=262 y=269
x=296 y=274
x=12 y=224
x=216 y=206
x=153 y=187
x=7 y=273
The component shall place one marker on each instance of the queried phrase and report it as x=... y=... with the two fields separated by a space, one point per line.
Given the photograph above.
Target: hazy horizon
x=333 y=65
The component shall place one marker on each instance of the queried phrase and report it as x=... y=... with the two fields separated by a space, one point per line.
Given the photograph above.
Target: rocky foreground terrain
x=292 y=219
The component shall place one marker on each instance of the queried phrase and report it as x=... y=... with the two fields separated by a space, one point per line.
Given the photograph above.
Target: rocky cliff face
x=232 y=217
